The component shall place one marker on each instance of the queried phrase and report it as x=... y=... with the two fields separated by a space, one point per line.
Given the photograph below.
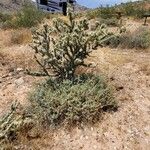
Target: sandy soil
x=126 y=129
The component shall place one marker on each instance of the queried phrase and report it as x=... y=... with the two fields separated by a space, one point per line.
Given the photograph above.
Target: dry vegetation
x=124 y=61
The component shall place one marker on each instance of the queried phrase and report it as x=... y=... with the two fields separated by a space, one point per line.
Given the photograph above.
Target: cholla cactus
x=60 y=49
x=12 y=122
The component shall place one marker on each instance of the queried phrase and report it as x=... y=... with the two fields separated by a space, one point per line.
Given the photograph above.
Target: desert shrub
x=29 y=16
x=92 y=14
x=79 y=15
x=82 y=102
x=8 y=24
x=107 y=12
x=129 y=9
x=115 y=41
x=102 y=12
x=134 y=10
x=139 y=39
x=5 y=17
x=5 y=20
x=140 y=12
x=60 y=49
x=113 y=22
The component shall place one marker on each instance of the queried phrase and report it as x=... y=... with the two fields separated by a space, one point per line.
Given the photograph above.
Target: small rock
x=33 y=134
x=95 y=147
x=19 y=69
x=92 y=64
x=119 y=88
x=92 y=27
x=11 y=69
x=19 y=81
x=86 y=137
x=5 y=76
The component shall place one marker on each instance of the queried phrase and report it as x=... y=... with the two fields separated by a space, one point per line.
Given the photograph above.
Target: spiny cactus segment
x=60 y=49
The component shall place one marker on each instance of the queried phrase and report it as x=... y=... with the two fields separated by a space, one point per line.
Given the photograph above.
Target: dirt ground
x=126 y=129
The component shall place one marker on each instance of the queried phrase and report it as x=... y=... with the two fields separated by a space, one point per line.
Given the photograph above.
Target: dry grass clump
x=13 y=37
x=21 y=36
x=112 y=22
x=139 y=39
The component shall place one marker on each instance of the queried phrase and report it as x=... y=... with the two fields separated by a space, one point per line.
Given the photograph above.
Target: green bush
x=135 y=10
x=107 y=12
x=91 y=14
x=81 y=102
x=102 y=12
x=129 y=9
x=5 y=20
x=5 y=17
x=29 y=16
x=113 y=22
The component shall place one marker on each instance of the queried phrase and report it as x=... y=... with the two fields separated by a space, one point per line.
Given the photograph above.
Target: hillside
x=144 y=4
x=7 y=6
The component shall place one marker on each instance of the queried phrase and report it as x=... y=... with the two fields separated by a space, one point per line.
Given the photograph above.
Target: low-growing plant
x=112 y=22
x=92 y=14
x=139 y=39
x=101 y=12
x=5 y=17
x=82 y=102
x=5 y=20
x=107 y=12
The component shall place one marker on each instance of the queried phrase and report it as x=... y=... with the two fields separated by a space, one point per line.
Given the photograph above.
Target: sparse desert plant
x=136 y=10
x=107 y=12
x=101 y=12
x=12 y=123
x=82 y=102
x=62 y=48
x=92 y=14
x=112 y=22
x=5 y=20
x=129 y=9
x=139 y=39
x=29 y=16
x=4 y=17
